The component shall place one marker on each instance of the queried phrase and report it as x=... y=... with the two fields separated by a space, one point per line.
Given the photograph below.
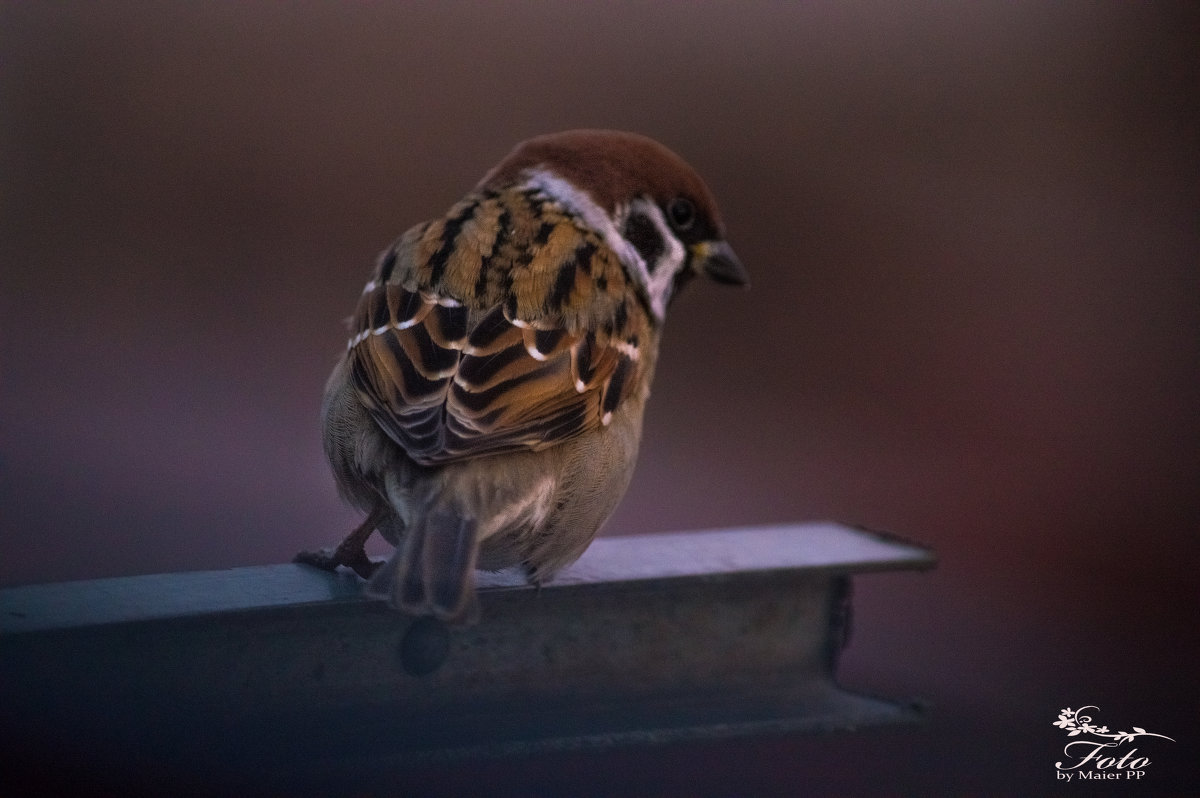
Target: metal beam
x=285 y=675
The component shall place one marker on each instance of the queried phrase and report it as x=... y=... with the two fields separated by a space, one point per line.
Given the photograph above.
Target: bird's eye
x=682 y=213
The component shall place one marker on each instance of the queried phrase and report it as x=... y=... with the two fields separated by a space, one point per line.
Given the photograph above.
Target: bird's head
x=645 y=201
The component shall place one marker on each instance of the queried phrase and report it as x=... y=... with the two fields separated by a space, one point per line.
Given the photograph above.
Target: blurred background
x=973 y=231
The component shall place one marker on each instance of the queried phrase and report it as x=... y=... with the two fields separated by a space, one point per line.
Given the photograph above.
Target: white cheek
x=661 y=282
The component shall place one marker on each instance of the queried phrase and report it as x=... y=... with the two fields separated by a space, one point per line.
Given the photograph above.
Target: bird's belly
x=587 y=481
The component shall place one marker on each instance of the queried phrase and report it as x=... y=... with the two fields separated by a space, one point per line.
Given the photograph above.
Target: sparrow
x=488 y=409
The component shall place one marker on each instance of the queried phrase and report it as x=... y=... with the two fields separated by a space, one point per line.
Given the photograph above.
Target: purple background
x=973 y=231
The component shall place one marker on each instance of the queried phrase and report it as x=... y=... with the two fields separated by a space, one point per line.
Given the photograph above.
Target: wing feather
x=472 y=341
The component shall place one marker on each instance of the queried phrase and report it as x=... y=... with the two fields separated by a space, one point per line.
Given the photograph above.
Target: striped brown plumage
x=488 y=410
x=476 y=338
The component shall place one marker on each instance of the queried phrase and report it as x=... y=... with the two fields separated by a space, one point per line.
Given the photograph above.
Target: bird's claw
x=329 y=558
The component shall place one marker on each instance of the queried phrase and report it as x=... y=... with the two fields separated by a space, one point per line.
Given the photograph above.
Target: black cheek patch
x=641 y=232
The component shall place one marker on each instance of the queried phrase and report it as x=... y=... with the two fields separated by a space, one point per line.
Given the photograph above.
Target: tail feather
x=408 y=593
x=449 y=562
x=432 y=571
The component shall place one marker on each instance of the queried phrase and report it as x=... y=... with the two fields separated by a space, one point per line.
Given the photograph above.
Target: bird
x=488 y=409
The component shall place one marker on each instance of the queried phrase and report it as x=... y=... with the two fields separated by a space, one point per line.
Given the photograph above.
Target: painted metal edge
x=723 y=553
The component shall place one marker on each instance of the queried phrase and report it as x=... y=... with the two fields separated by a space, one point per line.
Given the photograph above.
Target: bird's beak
x=718 y=261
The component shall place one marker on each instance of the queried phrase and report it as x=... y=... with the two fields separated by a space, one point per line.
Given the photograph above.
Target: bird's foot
x=349 y=552
x=329 y=558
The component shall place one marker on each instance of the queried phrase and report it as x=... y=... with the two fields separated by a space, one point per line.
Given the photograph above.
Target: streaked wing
x=504 y=346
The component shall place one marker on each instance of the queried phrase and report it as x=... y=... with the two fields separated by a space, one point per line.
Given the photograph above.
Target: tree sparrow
x=488 y=409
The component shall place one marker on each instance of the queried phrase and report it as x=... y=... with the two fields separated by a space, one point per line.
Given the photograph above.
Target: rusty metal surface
x=285 y=675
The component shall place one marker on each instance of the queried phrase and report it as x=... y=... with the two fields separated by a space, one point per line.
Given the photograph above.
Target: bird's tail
x=432 y=570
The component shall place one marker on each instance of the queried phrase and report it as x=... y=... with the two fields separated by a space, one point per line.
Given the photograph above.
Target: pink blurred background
x=973 y=231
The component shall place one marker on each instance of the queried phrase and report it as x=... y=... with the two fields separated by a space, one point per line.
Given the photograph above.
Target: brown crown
x=613 y=167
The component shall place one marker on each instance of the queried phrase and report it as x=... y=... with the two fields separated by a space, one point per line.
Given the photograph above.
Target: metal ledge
x=285 y=676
